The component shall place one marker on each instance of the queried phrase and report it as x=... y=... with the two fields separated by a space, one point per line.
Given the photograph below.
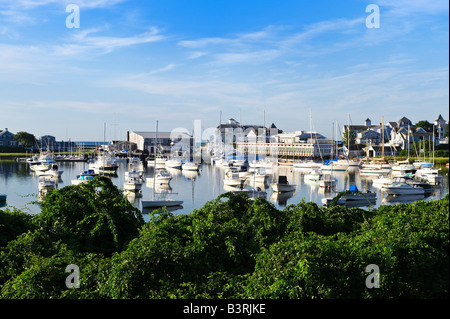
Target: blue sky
x=134 y=62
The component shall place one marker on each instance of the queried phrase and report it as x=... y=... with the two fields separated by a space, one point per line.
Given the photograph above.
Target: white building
x=441 y=125
x=289 y=145
x=165 y=141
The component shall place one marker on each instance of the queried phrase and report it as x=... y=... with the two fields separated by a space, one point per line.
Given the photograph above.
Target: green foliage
x=427 y=126
x=229 y=248
x=26 y=139
x=90 y=217
x=12 y=224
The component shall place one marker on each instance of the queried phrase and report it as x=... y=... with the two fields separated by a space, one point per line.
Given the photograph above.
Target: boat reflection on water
x=281 y=198
x=148 y=210
x=133 y=197
x=396 y=199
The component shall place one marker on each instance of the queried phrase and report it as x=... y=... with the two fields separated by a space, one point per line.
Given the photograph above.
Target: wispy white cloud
x=163 y=69
x=268 y=44
x=84 y=42
x=32 y=4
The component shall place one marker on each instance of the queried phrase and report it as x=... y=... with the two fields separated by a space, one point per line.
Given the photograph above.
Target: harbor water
x=196 y=188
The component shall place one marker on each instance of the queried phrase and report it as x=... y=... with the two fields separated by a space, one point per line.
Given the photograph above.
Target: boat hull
x=283 y=188
x=399 y=190
x=160 y=203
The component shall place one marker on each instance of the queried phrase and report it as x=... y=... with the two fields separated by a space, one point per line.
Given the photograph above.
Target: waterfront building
x=166 y=142
x=7 y=138
x=49 y=143
x=232 y=131
x=441 y=125
x=299 y=144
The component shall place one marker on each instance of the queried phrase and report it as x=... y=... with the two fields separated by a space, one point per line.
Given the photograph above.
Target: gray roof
x=152 y=135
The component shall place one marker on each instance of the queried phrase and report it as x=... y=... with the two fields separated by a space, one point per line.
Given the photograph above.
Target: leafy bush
x=90 y=217
x=229 y=248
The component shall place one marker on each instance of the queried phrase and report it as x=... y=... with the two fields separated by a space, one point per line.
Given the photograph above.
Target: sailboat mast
x=382 y=138
x=154 y=155
x=434 y=143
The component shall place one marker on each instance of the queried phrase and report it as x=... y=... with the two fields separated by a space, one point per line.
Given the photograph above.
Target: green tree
x=427 y=126
x=26 y=139
x=14 y=223
x=90 y=217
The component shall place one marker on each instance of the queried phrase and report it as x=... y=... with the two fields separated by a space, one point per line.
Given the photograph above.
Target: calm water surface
x=195 y=188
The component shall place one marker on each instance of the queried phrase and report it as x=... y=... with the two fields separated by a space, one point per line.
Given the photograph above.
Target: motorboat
x=242 y=170
x=135 y=165
x=283 y=185
x=401 y=169
x=354 y=194
x=326 y=201
x=257 y=176
x=190 y=166
x=41 y=167
x=162 y=176
x=382 y=180
x=42 y=163
x=2 y=197
x=250 y=191
x=84 y=177
x=327 y=181
x=402 y=186
x=173 y=163
x=233 y=180
x=429 y=174
x=53 y=171
x=104 y=164
x=133 y=182
x=47 y=181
